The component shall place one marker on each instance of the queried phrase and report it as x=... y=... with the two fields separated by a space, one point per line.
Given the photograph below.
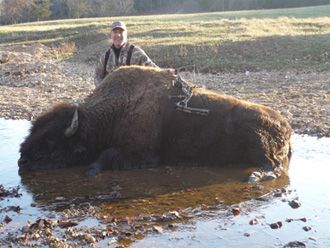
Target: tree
x=40 y=9
x=76 y=8
x=123 y=7
x=13 y=10
x=59 y=9
x=101 y=8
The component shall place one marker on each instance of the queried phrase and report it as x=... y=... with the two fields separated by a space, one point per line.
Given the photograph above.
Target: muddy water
x=204 y=197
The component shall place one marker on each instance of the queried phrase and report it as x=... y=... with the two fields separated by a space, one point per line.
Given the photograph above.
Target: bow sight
x=188 y=93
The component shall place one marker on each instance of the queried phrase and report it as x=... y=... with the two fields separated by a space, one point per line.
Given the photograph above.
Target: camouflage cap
x=118 y=24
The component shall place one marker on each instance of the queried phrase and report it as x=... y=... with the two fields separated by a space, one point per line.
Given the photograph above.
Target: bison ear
x=74 y=125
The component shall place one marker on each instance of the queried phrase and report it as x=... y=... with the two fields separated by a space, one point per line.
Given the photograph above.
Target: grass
x=216 y=42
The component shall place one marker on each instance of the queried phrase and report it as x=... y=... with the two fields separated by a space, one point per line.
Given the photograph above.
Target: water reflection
x=167 y=188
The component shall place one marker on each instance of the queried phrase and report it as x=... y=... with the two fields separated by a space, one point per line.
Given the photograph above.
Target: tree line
x=19 y=11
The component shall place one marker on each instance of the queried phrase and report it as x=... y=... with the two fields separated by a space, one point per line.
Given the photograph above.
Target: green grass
x=217 y=42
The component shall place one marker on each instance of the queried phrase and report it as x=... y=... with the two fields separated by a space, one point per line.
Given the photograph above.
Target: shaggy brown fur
x=130 y=122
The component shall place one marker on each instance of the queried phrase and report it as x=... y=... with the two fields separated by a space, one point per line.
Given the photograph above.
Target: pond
x=170 y=206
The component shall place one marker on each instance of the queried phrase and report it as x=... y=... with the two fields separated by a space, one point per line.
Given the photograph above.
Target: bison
x=135 y=119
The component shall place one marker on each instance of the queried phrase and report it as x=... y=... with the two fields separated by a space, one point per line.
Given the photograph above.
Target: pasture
x=216 y=42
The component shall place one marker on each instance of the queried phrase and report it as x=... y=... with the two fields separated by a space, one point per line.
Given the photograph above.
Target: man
x=121 y=53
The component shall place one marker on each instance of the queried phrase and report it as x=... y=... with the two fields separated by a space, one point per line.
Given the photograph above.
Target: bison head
x=52 y=142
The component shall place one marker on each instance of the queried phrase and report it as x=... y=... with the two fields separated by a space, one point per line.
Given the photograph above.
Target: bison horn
x=74 y=125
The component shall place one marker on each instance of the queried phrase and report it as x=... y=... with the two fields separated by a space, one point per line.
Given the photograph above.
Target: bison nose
x=22 y=162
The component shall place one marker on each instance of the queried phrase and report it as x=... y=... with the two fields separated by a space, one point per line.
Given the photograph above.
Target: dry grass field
x=216 y=42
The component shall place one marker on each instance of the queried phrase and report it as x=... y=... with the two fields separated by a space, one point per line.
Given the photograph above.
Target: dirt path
x=31 y=81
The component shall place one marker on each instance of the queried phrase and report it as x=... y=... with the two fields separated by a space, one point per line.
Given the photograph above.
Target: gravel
x=32 y=80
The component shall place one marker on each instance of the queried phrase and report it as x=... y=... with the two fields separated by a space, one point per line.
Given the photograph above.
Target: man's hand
x=170 y=70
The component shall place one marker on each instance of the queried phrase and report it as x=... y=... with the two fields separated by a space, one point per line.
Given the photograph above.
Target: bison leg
x=265 y=173
x=106 y=157
x=261 y=156
x=273 y=164
x=118 y=159
x=271 y=169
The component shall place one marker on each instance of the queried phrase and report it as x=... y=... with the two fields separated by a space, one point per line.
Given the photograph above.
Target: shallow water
x=206 y=194
x=309 y=175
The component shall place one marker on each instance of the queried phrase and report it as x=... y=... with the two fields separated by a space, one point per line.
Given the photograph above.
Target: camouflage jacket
x=139 y=57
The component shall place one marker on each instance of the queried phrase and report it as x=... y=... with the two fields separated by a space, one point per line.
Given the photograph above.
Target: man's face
x=119 y=37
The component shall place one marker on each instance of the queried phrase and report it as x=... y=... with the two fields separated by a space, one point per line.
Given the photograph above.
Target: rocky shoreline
x=32 y=81
x=66 y=228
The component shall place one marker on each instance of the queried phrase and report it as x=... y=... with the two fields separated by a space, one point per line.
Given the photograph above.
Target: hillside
x=216 y=42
